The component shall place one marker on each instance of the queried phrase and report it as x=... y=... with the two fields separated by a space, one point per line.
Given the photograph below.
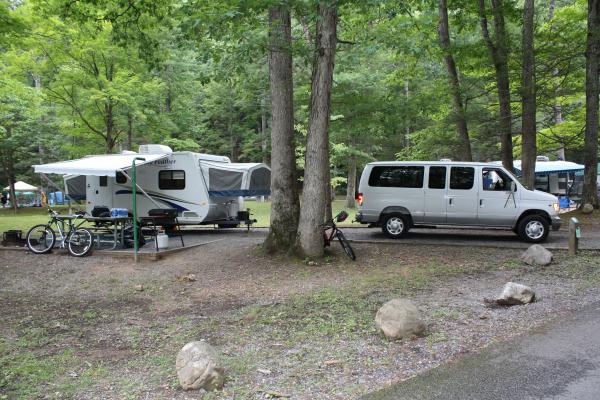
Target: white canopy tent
x=106 y=165
x=21 y=186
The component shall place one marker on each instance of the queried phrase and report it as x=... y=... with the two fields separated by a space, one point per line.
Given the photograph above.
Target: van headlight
x=556 y=207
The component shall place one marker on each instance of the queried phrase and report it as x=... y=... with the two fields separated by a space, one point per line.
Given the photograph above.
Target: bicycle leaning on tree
x=331 y=231
x=77 y=240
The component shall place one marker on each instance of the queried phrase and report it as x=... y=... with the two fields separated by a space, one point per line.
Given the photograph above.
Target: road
x=560 y=361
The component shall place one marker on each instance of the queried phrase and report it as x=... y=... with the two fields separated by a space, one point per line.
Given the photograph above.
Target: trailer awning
x=551 y=167
x=106 y=165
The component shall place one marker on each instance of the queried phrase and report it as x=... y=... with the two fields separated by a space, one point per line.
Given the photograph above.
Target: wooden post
x=574 y=234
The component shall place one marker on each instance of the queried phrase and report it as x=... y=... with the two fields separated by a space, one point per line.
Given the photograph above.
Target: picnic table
x=110 y=230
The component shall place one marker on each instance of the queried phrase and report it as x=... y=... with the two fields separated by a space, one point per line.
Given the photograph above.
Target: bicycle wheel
x=346 y=245
x=80 y=242
x=41 y=239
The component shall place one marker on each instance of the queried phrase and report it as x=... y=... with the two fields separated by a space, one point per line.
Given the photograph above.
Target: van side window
x=437 y=178
x=397 y=176
x=120 y=178
x=495 y=180
x=171 y=180
x=462 y=178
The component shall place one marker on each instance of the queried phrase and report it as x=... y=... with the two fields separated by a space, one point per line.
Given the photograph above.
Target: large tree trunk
x=351 y=185
x=129 y=131
x=264 y=142
x=557 y=107
x=457 y=102
x=590 y=151
x=528 y=147
x=317 y=156
x=499 y=52
x=284 y=196
x=9 y=171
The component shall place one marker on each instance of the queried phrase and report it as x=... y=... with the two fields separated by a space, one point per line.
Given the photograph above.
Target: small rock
x=399 y=318
x=484 y=316
x=198 y=367
x=536 y=255
x=587 y=208
x=187 y=278
x=264 y=371
x=514 y=294
x=139 y=288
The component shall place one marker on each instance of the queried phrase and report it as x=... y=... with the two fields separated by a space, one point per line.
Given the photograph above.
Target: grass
x=27 y=217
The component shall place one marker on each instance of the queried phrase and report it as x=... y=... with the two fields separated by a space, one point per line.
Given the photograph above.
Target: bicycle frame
x=60 y=223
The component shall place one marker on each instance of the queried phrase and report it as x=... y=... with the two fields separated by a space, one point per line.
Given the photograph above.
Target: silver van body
x=398 y=195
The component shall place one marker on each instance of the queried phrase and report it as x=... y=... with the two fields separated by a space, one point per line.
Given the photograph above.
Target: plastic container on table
x=119 y=212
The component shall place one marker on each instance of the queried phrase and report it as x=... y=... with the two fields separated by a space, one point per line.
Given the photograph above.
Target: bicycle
x=331 y=231
x=78 y=241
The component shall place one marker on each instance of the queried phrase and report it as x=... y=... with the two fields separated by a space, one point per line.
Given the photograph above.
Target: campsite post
x=133 y=192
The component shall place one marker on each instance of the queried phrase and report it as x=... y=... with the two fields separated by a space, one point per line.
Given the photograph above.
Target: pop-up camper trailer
x=203 y=188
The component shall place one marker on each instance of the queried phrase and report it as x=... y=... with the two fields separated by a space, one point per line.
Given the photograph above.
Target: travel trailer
x=203 y=188
x=399 y=195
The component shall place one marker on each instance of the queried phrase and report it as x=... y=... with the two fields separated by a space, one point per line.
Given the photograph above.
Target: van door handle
x=450 y=201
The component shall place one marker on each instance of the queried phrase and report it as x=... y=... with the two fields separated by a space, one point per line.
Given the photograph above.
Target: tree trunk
x=457 y=102
x=284 y=196
x=317 y=156
x=499 y=54
x=528 y=118
x=556 y=108
x=110 y=127
x=590 y=151
x=351 y=186
x=264 y=143
x=8 y=162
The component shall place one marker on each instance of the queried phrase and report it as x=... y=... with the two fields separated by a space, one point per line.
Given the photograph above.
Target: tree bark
x=457 y=102
x=264 y=142
x=129 y=131
x=351 y=185
x=590 y=151
x=9 y=171
x=284 y=195
x=528 y=118
x=317 y=156
x=499 y=53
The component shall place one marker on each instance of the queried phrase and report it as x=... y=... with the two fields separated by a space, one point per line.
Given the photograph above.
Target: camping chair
x=161 y=217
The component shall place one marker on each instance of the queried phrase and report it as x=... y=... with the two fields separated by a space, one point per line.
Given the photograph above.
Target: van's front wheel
x=394 y=226
x=533 y=228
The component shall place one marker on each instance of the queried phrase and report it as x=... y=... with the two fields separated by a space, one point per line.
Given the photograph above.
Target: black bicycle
x=331 y=231
x=78 y=241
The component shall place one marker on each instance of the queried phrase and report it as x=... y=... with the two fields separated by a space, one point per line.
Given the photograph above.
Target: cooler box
x=563 y=202
x=119 y=212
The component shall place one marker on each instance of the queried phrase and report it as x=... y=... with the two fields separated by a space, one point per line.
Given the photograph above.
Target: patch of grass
x=25 y=217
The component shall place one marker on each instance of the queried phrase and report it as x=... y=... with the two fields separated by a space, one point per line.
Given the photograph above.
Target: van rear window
x=397 y=176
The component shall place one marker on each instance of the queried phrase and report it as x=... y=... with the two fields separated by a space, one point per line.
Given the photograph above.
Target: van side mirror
x=513 y=186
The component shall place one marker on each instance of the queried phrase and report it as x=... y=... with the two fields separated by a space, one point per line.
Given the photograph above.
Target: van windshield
x=518 y=179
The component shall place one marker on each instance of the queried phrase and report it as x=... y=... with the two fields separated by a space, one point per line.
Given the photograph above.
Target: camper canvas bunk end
x=203 y=188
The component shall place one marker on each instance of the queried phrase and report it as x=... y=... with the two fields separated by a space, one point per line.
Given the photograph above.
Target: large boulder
x=536 y=255
x=399 y=318
x=515 y=294
x=198 y=367
x=587 y=208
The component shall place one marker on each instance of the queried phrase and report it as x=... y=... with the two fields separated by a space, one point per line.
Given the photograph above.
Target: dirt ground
x=83 y=329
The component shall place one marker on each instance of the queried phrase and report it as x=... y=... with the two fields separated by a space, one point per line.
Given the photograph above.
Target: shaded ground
x=78 y=328
x=561 y=361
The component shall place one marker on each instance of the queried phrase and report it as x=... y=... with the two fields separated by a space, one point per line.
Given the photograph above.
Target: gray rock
x=536 y=255
x=516 y=293
x=587 y=208
x=198 y=367
x=399 y=318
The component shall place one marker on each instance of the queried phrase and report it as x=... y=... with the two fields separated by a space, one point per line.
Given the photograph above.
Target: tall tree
x=317 y=156
x=457 y=101
x=498 y=48
x=528 y=102
x=284 y=195
x=592 y=54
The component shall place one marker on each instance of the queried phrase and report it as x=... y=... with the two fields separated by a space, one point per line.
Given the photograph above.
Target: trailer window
x=397 y=176
x=462 y=178
x=103 y=181
x=171 y=180
x=437 y=178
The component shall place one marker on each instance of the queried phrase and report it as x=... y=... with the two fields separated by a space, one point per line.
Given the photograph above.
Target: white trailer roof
x=105 y=165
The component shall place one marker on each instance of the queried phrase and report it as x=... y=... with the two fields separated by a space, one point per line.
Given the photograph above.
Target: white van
x=399 y=195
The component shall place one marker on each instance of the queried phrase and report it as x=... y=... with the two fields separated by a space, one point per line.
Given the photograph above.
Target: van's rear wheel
x=533 y=228
x=394 y=226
